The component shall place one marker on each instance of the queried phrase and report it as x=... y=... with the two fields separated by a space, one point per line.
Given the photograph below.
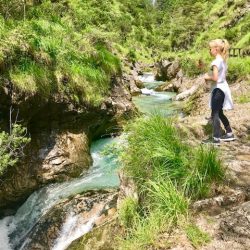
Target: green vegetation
x=70 y=47
x=196 y=236
x=186 y=27
x=128 y=212
x=74 y=47
x=169 y=174
x=238 y=68
x=11 y=147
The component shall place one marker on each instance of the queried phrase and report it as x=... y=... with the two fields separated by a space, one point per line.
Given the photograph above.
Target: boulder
x=167 y=70
x=49 y=158
x=70 y=219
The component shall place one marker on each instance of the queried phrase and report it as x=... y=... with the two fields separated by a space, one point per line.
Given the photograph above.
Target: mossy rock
x=100 y=238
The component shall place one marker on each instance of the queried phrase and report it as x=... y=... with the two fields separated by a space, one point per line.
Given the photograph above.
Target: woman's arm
x=214 y=76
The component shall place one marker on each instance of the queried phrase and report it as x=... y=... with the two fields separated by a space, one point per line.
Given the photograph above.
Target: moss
x=99 y=238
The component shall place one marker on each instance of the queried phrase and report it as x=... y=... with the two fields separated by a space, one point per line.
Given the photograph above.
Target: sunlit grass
x=169 y=175
x=196 y=235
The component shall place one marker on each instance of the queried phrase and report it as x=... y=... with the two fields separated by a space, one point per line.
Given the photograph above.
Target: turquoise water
x=158 y=102
x=102 y=174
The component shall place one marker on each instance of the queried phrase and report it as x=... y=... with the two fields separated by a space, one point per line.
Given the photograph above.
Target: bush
x=11 y=147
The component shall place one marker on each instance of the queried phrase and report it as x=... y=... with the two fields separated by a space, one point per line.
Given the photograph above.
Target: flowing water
x=155 y=102
x=102 y=174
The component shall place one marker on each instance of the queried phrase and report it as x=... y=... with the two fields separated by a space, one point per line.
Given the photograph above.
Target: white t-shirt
x=222 y=82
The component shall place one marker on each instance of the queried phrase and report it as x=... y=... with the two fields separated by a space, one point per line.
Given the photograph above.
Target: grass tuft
x=196 y=236
x=169 y=174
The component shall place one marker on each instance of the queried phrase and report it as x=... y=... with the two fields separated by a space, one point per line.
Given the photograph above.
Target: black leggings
x=218 y=97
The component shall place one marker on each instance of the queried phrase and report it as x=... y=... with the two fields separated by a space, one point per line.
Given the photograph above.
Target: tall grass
x=164 y=195
x=169 y=175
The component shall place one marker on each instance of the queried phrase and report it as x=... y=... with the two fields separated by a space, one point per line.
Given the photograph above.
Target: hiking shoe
x=213 y=141
x=227 y=137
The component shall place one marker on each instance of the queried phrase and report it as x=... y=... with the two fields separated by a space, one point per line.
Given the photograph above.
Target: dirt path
x=227 y=217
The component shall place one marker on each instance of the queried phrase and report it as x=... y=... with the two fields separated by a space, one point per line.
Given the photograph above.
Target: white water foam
x=5 y=228
x=147 y=77
x=73 y=228
x=146 y=91
x=16 y=229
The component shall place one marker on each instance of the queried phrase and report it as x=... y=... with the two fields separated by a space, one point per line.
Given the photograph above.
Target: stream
x=102 y=174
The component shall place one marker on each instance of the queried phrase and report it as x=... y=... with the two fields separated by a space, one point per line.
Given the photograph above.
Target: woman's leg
x=216 y=123
x=225 y=122
x=217 y=105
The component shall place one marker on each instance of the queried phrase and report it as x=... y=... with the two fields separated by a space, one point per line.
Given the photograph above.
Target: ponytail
x=225 y=49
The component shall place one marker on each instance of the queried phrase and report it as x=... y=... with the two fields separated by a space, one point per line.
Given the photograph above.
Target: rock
x=61 y=132
x=100 y=238
x=234 y=197
x=139 y=84
x=235 y=224
x=127 y=188
x=134 y=90
x=167 y=70
x=50 y=158
x=48 y=231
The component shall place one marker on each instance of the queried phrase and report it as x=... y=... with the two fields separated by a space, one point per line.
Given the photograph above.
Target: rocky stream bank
x=225 y=217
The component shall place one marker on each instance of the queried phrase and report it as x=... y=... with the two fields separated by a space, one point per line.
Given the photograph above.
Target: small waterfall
x=73 y=228
x=153 y=2
x=152 y=101
x=101 y=175
x=147 y=77
x=5 y=228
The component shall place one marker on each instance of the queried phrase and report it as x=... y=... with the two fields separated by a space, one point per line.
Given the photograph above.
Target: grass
x=72 y=48
x=164 y=195
x=128 y=212
x=145 y=232
x=29 y=77
x=244 y=98
x=196 y=236
x=238 y=68
x=169 y=174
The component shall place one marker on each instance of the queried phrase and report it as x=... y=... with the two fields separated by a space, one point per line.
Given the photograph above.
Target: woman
x=221 y=94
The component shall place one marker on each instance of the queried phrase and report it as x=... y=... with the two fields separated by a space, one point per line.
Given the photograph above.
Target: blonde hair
x=222 y=45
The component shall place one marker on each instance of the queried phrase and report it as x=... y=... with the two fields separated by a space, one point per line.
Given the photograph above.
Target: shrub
x=238 y=68
x=11 y=147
